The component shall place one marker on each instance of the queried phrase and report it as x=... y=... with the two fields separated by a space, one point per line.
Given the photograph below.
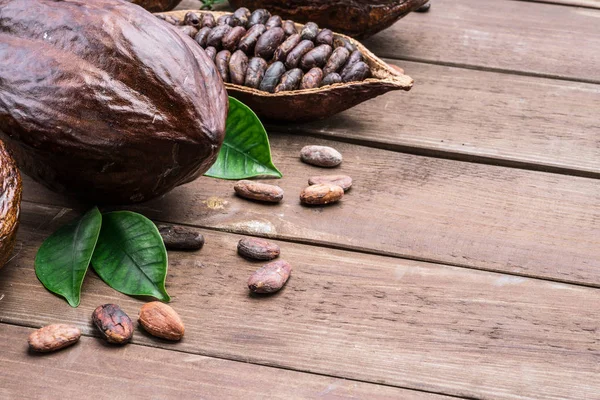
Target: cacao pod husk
x=157 y=5
x=10 y=204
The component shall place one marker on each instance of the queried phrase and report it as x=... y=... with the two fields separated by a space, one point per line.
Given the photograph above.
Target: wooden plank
x=397 y=322
x=576 y=3
x=135 y=371
x=473 y=215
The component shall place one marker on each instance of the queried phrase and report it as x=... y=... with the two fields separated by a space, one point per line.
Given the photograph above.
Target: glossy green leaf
x=130 y=255
x=63 y=259
x=246 y=152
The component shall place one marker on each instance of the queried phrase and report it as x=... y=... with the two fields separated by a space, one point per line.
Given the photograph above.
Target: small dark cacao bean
x=238 y=65
x=256 y=71
x=260 y=16
x=339 y=41
x=248 y=42
x=112 y=322
x=310 y=31
x=208 y=20
x=268 y=42
x=231 y=40
x=321 y=156
x=181 y=238
x=225 y=20
x=211 y=52
x=321 y=194
x=193 y=19
x=312 y=79
x=188 y=30
x=424 y=8
x=53 y=337
x=289 y=27
x=274 y=22
x=343 y=181
x=257 y=249
x=270 y=277
x=272 y=77
x=241 y=16
x=356 y=73
x=258 y=191
x=294 y=57
x=325 y=37
x=202 y=36
x=316 y=58
x=355 y=56
x=290 y=80
x=284 y=49
x=331 y=78
x=338 y=59
x=215 y=37
x=222 y=62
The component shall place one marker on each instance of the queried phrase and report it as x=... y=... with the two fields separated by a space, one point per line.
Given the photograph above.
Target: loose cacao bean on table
x=257 y=249
x=112 y=322
x=321 y=194
x=321 y=156
x=181 y=238
x=258 y=191
x=270 y=278
x=53 y=337
x=343 y=181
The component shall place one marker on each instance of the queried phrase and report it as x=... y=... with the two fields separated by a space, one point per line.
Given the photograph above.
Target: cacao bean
x=331 y=79
x=272 y=77
x=343 y=181
x=188 y=30
x=355 y=56
x=256 y=71
x=202 y=36
x=321 y=194
x=222 y=62
x=316 y=58
x=289 y=27
x=215 y=38
x=284 y=49
x=211 y=52
x=270 y=277
x=112 y=322
x=357 y=72
x=321 y=156
x=257 y=249
x=238 y=66
x=53 y=337
x=248 y=42
x=312 y=79
x=230 y=40
x=424 y=8
x=268 y=42
x=260 y=16
x=208 y=21
x=258 y=191
x=310 y=31
x=193 y=19
x=339 y=41
x=325 y=37
x=293 y=58
x=160 y=320
x=274 y=22
x=241 y=16
x=225 y=20
x=290 y=80
x=181 y=238
x=338 y=58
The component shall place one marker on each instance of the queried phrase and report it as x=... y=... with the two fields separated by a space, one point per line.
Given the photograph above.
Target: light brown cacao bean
x=241 y=16
x=222 y=62
x=238 y=66
x=112 y=322
x=321 y=194
x=258 y=191
x=193 y=19
x=208 y=20
x=321 y=156
x=343 y=181
x=188 y=30
x=160 y=320
x=312 y=79
x=270 y=277
x=257 y=249
x=53 y=337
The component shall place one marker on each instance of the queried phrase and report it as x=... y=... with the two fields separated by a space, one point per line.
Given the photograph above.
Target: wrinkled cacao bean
x=222 y=62
x=339 y=41
x=256 y=71
x=312 y=79
x=112 y=322
x=274 y=22
x=355 y=56
x=257 y=249
x=331 y=78
x=160 y=320
x=258 y=191
x=208 y=21
x=193 y=19
x=241 y=16
x=310 y=31
x=171 y=20
x=343 y=181
x=211 y=52
x=290 y=80
x=181 y=238
x=338 y=58
x=321 y=194
x=188 y=30
x=294 y=57
x=268 y=42
x=225 y=20
x=316 y=58
x=202 y=36
x=272 y=77
x=270 y=277
x=321 y=156
x=357 y=72
x=289 y=27
x=230 y=40
x=238 y=66
x=215 y=38
x=53 y=337
x=260 y=16
x=248 y=42
x=325 y=37
x=284 y=49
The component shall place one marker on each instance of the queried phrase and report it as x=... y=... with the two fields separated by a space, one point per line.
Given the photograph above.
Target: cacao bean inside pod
x=238 y=66
x=274 y=22
x=289 y=27
x=272 y=77
x=193 y=19
x=248 y=42
x=317 y=57
x=202 y=36
x=268 y=42
x=222 y=62
x=338 y=58
x=225 y=20
x=260 y=16
x=290 y=80
x=325 y=37
x=310 y=31
x=284 y=49
x=357 y=72
x=188 y=30
x=211 y=52
x=340 y=41
x=312 y=79
x=255 y=73
x=215 y=37
x=294 y=56
x=208 y=20
x=10 y=203
x=231 y=40
x=241 y=16
x=331 y=78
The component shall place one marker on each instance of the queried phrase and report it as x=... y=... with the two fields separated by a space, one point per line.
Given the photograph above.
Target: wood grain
x=576 y=3
x=472 y=215
x=403 y=323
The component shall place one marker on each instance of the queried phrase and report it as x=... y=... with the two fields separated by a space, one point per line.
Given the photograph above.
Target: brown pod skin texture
x=202 y=36
x=211 y=52
x=188 y=30
x=321 y=194
x=290 y=80
x=238 y=66
x=255 y=73
x=215 y=37
x=289 y=27
x=181 y=238
x=248 y=42
x=343 y=181
x=310 y=31
x=338 y=58
x=312 y=79
x=208 y=20
x=112 y=322
x=157 y=5
x=316 y=58
x=272 y=77
x=231 y=40
x=160 y=320
x=258 y=191
x=321 y=156
x=53 y=337
x=90 y=112
x=270 y=278
x=325 y=37
x=331 y=79
x=274 y=22
x=284 y=49
x=193 y=19
x=222 y=62
x=356 y=73
x=260 y=16
x=294 y=57
x=241 y=16
x=10 y=204
x=268 y=42
x=257 y=249
x=339 y=41
x=225 y=20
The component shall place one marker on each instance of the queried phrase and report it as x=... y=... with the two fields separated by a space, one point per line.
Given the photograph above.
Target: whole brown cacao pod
x=10 y=203
x=88 y=107
x=157 y=5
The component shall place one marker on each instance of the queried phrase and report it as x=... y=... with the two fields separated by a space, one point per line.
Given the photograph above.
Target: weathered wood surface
x=371 y=318
x=92 y=369
x=576 y=3
x=479 y=216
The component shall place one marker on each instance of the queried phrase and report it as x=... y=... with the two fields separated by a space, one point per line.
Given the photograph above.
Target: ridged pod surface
x=10 y=204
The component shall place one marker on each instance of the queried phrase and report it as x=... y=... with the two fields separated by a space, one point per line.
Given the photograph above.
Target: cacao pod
x=10 y=203
x=157 y=5
x=105 y=101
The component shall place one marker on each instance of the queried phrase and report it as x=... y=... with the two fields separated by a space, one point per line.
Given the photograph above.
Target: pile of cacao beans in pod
x=263 y=52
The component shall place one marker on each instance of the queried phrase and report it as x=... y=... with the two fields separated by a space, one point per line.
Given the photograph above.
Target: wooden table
x=465 y=261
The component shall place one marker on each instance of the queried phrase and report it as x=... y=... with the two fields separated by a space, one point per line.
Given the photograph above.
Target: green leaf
x=246 y=152
x=130 y=255
x=63 y=259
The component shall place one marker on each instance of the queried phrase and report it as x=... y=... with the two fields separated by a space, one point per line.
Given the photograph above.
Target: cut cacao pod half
x=157 y=5
x=10 y=204
x=317 y=103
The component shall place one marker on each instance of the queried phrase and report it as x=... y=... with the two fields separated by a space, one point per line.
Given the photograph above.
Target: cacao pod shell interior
x=10 y=203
